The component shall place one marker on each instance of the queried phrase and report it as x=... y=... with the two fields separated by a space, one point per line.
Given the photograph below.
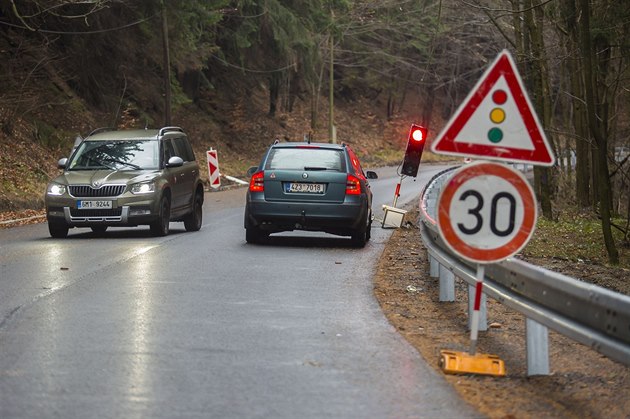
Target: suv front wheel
x=58 y=230
x=160 y=227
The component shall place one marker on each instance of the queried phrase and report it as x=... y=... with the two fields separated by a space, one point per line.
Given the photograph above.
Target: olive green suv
x=127 y=178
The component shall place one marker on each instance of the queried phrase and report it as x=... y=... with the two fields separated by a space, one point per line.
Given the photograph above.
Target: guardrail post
x=537 y=348
x=434 y=267
x=483 y=316
x=447 y=284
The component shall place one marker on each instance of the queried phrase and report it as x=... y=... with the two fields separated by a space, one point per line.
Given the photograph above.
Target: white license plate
x=305 y=187
x=94 y=204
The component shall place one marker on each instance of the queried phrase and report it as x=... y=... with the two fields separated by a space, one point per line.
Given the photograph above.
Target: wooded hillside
x=241 y=73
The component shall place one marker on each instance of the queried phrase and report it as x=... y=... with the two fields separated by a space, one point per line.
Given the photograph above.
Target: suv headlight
x=56 y=189
x=142 y=188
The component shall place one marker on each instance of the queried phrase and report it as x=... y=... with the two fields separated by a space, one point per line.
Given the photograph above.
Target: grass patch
x=575 y=237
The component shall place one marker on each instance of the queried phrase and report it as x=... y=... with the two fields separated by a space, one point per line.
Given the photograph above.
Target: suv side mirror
x=175 y=161
x=251 y=171
x=61 y=164
x=371 y=175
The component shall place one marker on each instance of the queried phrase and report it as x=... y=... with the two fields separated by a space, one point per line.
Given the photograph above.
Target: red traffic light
x=413 y=153
x=418 y=133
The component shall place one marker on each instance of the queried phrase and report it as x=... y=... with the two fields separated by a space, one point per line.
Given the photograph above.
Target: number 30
x=476 y=212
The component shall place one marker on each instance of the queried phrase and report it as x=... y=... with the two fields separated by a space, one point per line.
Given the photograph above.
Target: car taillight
x=353 y=185
x=257 y=182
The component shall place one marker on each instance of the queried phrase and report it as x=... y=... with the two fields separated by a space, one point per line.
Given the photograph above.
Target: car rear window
x=306 y=158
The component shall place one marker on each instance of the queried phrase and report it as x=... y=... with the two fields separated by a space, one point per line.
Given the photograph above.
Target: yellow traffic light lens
x=497 y=115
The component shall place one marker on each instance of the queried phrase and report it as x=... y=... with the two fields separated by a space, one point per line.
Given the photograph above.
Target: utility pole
x=331 y=86
x=167 y=69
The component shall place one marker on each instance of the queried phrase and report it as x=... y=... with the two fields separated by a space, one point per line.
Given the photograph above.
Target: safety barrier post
x=537 y=343
x=434 y=267
x=447 y=284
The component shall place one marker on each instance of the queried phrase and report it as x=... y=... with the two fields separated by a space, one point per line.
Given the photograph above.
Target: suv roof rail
x=169 y=129
x=97 y=130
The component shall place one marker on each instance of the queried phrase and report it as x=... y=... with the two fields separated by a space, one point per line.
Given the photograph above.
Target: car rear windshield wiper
x=315 y=168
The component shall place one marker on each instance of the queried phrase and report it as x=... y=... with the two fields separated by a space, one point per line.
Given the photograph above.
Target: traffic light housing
x=413 y=153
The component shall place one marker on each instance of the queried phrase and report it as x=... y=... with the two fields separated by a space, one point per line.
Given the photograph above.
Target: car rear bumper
x=341 y=218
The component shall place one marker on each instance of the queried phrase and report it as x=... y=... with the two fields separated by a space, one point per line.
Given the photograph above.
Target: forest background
x=238 y=74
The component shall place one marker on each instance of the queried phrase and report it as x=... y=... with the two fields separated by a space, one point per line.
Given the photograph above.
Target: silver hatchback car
x=309 y=186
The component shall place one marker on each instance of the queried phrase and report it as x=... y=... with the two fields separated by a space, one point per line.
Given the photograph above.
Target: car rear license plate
x=294 y=187
x=94 y=204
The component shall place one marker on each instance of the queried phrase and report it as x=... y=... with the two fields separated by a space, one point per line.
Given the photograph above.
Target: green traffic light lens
x=495 y=135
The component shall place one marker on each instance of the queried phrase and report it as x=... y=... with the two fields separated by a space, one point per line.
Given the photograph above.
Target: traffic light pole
x=397 y=193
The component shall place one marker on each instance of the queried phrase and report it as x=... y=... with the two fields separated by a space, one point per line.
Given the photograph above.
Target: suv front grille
x=82 y=191
x=116 y=212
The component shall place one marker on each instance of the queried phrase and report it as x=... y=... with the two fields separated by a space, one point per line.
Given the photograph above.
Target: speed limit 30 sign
x=486 y=212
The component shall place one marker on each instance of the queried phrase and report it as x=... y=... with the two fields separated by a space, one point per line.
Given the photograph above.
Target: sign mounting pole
x=474 y=329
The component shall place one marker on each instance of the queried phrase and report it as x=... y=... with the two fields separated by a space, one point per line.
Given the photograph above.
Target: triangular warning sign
x=496 y=121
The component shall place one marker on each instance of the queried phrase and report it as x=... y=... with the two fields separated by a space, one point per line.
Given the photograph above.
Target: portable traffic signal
x=415 y=145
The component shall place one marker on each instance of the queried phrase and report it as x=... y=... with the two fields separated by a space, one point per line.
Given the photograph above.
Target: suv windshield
x=305 y=158
x=116 y=155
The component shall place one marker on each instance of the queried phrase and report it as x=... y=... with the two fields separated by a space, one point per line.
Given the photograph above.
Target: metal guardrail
x=586 y=313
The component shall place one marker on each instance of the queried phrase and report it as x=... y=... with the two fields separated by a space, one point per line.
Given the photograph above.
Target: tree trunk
x=603 y=180
x=316 y=88
x=578 y=109
x=275 y=81
x=534 y=49
x=390 y=105
x=547 y=179
x=582 y=145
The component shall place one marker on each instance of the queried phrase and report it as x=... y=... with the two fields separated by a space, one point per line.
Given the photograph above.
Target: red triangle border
x=503 y=66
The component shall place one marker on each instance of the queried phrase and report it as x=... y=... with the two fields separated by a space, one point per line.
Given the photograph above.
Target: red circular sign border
x=525 y=232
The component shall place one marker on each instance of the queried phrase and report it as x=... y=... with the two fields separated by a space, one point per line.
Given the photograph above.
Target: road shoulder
x=583 y=383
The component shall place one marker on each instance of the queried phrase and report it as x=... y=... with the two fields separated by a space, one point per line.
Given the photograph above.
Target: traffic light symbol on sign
x=496 y=121
x=413 y=153
x=497 y=116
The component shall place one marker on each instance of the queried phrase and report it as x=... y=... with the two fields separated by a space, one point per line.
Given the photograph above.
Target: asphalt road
x=203 y=325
